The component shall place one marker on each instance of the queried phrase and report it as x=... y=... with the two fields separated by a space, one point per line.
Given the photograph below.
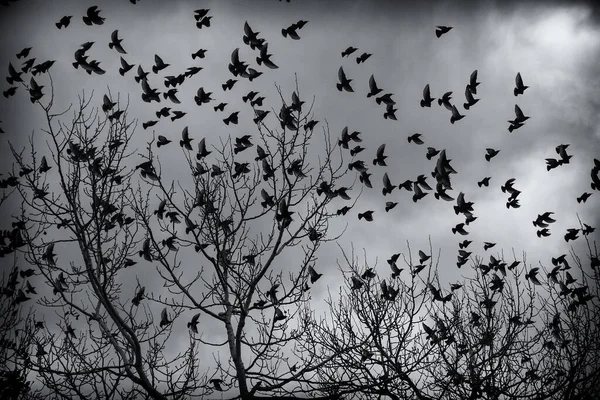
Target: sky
x=555 y=46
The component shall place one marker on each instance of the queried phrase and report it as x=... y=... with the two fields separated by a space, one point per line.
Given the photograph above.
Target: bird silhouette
x=519 y=87
x=491 y=153
x=64 y=22
x=115 y=42
x=93 y=17
x=472 y=86
x=349 y=50
x=387 y=186
x=416 y=138
x=471 y=101
x=164 y=318
x=314 y=275
x=441 y=30
x=484 y=182
x=456 y=116
x=159 y=64
x=363 y=57
x=193 y=323
x=344 y=83
x=138 y=296
x=162 y=141
x=583 y=197
x=185 y=141
x=367 y=215
x=427 y=99
x=380 y=159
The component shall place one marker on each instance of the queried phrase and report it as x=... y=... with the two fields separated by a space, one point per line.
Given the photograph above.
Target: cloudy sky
x=554 y=45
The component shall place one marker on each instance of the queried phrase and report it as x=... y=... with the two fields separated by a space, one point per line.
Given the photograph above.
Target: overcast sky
x=554 y=45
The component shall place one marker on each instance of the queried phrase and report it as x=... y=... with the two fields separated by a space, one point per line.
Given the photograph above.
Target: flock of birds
x=350 y=141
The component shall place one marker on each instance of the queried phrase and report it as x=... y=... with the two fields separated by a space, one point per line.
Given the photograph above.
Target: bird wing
x=185 y=134
x=518 y=112
x=519 y=80
x=380 y=151
x=426 y=93
x=157 y=60
x=115 y=36
x=372 y=84
x=473 y=78
x=235 y=58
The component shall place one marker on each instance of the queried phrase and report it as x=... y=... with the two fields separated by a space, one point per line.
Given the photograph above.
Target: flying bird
x=491 y=153
x=115 y=42
x=440 y=30
x=456 y=116
x=416 y=138
x=349 y=50
x=159 y=64
x=519 y=87
x=427 y=99
x=344 y=83
x=64 y=22
x=373 y=89
x=363 y=57
x=93 y=16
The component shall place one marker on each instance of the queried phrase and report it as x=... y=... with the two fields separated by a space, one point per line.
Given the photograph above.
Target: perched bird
x=349 y=50
x=491 y=153
x=519 y=87
x=93 y=16
x=115 y=42
x=64 y=22
x=217 y=384
x=440 y=30
x=416 y=138
x=344 y=83
x=427 y=99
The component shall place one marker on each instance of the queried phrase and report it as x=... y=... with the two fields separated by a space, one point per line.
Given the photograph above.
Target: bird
x=491 y=153
x=93 y=16
x=64 y=22
x=571 y=234
x=162 y=141
x=159 y=64
x=471 y=101
x=561 y=150
x=193 y=324
x=164 y=318
x=416 y=138
x=441 y=29
x=484 y=182
x=356 y=283
x=232 y=118
x=387 y=186
x=115 y=42
x=314 y=275
x=373 y=89
x=445 y=100
x=488 y=245
x=229 y=84
x=427 y=99
x=186 y=141
x=519 y=87
x=532 y=276
x=344 y=83
x=291 y=32
x=44 y=167
x=419 y=194
x=460 y=228
x=201 y=53
x=349 y=50
x=385 y=98
x=465 y=243
x=10 y=91
x=380 y=160
x=583 y=197
x=423 y=257
x=367 y=215
x=217 y=384
x=202 y=97
x=279 y=315
x=35 y=91
x=456 y=116
x=390 y=112
x=472 y=86
x=138 y=296
x=125 y=67
x=389 y=205
x=363 y=57
x=431 y=152
x=265 y=58
x=520 y=117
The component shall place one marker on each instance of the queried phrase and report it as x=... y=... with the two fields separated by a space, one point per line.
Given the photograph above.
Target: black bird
x=115 y=42
x=440 y=30
x=460 y=228
x=177 y=115
x=199 y=54
x=93 y=16
x=27 y=65
x=64 y=22
x=24 y=53
x=291 y=32
x=491 y=153
x=220 y=107
x=314 y=275
x=159 y=64
x=373 y=89
x=583 y=197
x=520 y=117
x=232 y=118
x=390 y=112
x=561 y=150
x=488 y=245
x=265 y=58
x=386 y=99
x=125 y=67
x=141 y=75
x=217 y=384
x=484 y=182
x=344 y=83
x=202 y=97
x=380 y=160
x=162 y=141
x=471 y=101
x=164 y=318
x=367 y=215
x=465 y=243
x=427 y=99
x=415 y=138
x=229 y=84
x=472 y=86
x=519 y=88
x=387 y=186
x=363 y=57
x=10 y=91
x=445 y=100
x=35 y=91
x=186 y=141
x=349 y=50
x=193 y=324
x=456 y=116
x=13 y=75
